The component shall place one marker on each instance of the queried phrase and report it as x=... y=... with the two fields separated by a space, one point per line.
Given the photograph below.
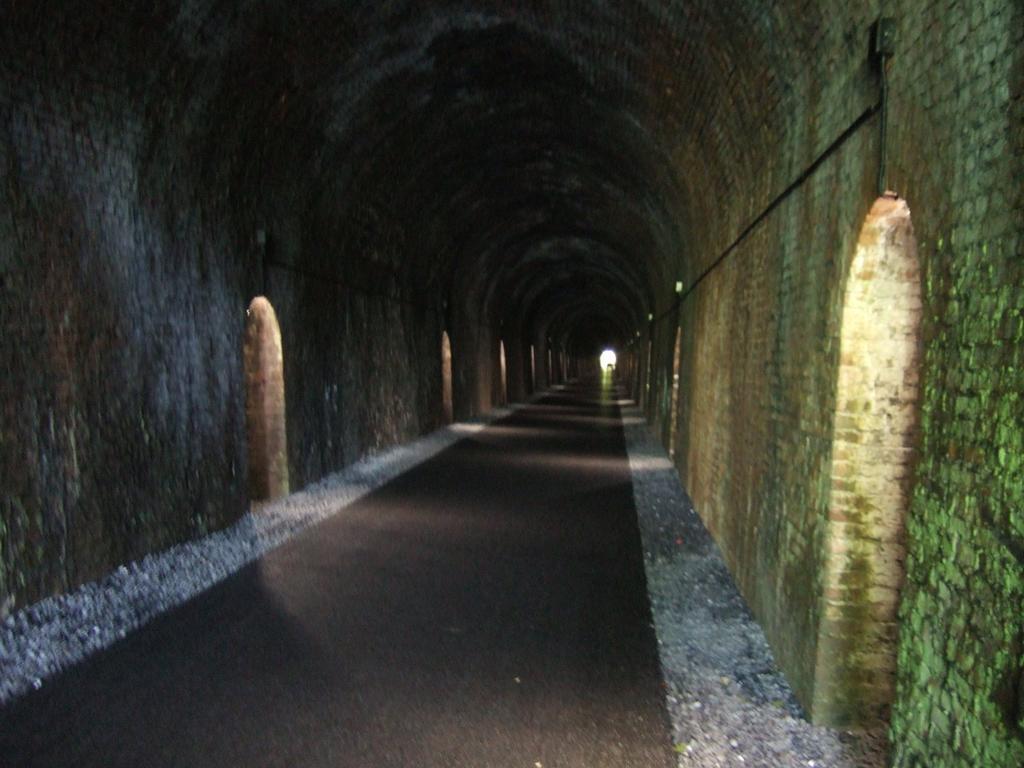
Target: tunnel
x=247 y=245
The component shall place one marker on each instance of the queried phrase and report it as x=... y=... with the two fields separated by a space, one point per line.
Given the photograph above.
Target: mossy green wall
x=962 y=634
x=757 y=359
x=958 y=156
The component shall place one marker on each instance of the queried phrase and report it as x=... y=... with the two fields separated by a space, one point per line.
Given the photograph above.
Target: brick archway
x=674 y=401
x=503 y=365
x=447 y=398
x=265 y=403
x=872 y=461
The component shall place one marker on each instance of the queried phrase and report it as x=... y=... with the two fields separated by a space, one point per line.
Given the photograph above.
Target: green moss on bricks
x=959 y=658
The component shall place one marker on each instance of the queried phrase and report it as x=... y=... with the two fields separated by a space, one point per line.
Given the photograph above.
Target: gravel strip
x=729 y=703
x=41 y=639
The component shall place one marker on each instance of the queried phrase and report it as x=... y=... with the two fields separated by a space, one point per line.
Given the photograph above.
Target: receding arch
x=503 y=366
x=447 y=398
x=873 y=448
x=646 y=393
x=265 y=403
x=673 y=429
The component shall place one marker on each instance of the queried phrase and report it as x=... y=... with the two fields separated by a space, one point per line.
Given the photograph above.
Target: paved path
x=486 y=609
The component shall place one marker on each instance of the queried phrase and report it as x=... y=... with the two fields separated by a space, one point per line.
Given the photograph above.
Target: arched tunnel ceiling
x=491 y=153
x=559 y=275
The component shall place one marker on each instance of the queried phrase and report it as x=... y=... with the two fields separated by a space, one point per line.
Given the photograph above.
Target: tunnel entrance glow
x=608 y=359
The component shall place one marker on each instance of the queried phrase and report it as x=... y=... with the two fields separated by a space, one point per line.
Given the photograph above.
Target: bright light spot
x=608 y=359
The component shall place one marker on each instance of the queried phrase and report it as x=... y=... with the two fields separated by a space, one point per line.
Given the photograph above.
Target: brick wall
x=760 y=354
x=135 y=181
x=958 y=157
x=759 y=412
x=123 y=422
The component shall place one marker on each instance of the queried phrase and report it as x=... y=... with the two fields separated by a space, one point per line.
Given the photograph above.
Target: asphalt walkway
x=487 y=608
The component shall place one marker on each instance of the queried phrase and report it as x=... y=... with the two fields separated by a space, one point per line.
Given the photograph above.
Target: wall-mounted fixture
x=260 y=238
x=883 y=48
x=884 y=38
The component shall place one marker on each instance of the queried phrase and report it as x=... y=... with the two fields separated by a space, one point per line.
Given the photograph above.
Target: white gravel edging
x=728 y=702
x=39 y=640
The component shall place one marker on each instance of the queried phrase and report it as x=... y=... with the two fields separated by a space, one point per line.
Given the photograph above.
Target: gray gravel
x=728 y=701
x=40 y=640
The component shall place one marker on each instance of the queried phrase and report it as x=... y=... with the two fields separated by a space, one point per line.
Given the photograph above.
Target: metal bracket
x=883 y=39
x=883 y=47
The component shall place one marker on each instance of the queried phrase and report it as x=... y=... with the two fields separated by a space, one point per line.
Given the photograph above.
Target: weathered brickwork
x=129 y=252
x=542 y=175
x=757 y=401
x=265 y=417
x=118 y=371
x=958 y=157
x=761 y=366
x=874 y=437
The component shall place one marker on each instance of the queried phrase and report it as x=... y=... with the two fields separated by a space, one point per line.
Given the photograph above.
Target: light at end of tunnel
x=650 y=315
x=679 y=286
x=608 y=359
